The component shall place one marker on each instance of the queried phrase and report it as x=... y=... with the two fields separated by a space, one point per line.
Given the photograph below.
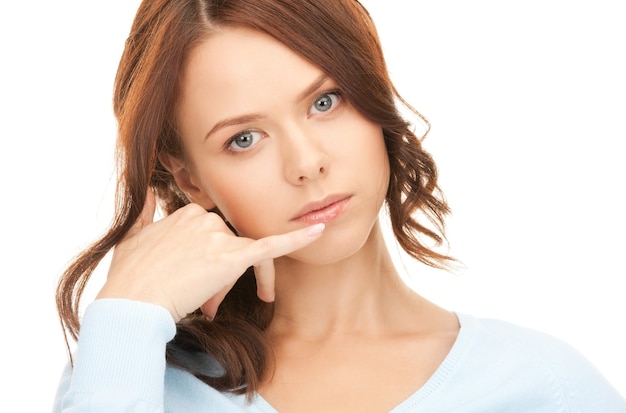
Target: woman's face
x=272 y=143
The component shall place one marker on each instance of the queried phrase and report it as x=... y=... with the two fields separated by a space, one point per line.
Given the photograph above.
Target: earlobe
x=185 y=181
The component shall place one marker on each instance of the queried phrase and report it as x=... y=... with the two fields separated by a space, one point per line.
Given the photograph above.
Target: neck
x=362 y=294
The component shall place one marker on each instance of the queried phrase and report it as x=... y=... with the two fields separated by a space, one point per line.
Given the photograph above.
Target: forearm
x=119 y=364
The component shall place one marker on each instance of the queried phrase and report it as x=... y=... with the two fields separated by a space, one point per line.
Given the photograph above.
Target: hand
x=191 y=259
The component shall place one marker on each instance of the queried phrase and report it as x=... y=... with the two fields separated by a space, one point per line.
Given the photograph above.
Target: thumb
x=149 y=207
x=146 y=216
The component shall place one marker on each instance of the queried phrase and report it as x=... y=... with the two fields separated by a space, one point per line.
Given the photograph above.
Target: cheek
x=381 y=175
x=241 y=196
x=231 y=200
x=370 y=153
x=375 y=160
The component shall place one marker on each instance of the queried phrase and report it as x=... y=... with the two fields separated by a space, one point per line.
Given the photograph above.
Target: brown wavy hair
x=339 y=37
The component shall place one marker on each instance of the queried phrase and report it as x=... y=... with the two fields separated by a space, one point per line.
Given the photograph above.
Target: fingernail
x=315 y=229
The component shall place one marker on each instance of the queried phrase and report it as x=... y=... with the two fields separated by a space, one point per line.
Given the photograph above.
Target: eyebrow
x=238 y=120
x=317 y=83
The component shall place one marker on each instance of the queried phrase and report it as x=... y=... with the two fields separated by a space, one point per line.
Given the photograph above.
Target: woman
x=279 y=119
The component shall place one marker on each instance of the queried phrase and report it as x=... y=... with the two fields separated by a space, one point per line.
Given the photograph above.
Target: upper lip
x=321 y=204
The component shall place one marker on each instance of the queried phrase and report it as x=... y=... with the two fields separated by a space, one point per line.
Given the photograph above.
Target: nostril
x=304 y=165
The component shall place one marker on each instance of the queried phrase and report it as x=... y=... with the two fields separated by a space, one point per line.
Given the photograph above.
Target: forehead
x=239 y=62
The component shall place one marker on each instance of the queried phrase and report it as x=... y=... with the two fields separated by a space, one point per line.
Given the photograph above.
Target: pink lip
x=323 y=211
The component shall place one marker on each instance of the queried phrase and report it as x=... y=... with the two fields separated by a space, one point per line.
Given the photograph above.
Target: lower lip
x=324 y=215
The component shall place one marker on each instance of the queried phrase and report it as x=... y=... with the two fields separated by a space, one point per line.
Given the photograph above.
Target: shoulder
x=499 y=335
x=497 y=338
x=534 y=363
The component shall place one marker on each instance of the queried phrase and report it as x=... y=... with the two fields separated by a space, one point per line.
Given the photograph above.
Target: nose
x=304 y=156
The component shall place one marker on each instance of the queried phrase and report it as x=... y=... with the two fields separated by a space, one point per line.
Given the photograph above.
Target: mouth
x=324 y=211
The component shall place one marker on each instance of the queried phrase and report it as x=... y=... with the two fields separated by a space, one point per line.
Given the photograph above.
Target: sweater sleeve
x=119 y=364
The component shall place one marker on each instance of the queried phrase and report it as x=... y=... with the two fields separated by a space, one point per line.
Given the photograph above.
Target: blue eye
x=325 y=102
x=244 y=140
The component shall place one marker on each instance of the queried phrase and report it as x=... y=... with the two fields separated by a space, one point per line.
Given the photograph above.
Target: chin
x=333 y=247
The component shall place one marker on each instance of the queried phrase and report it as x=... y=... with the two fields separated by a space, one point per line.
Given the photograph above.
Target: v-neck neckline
x=439 y=377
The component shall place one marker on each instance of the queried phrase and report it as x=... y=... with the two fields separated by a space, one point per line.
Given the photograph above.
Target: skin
x=342 y=312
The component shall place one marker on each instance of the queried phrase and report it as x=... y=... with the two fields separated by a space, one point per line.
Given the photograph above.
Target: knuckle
x=213 y=218
x=192 y=210
x=264 y=246
x=184 y=213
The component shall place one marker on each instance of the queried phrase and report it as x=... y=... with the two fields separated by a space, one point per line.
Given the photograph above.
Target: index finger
x=278 y=245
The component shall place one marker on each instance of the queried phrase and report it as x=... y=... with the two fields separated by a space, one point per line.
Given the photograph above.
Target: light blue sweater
x=119 y=366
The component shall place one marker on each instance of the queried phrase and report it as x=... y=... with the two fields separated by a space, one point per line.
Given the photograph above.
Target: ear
x=186 y=181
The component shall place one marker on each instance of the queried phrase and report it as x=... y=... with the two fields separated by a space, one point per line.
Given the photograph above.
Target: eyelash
x=228 y=144
x=335 y=92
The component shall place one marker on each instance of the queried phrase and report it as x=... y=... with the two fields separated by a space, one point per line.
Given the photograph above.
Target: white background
x=527 y=101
